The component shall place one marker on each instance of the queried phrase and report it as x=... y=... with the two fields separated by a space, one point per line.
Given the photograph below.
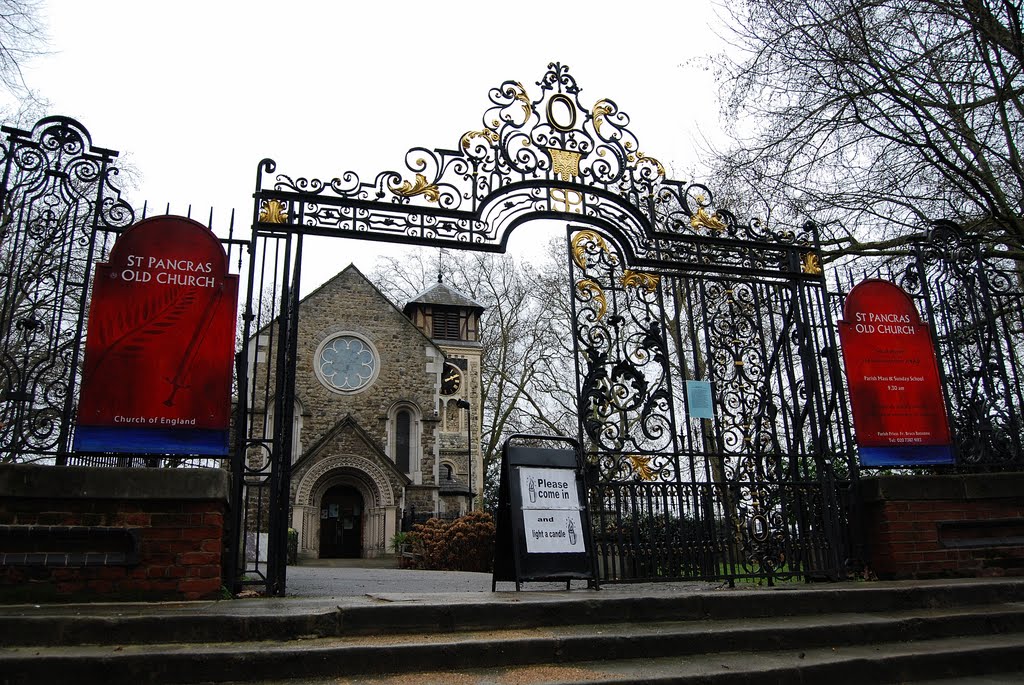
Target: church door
x=341 y=526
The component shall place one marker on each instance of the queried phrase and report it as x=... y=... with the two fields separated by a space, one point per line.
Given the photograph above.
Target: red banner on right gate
x=899 y=415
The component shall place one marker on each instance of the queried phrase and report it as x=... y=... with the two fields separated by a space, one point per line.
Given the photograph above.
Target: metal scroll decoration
x=974 y=303
x=60 y=204
x=541 y=152
x=640 y=334
x=625 y=396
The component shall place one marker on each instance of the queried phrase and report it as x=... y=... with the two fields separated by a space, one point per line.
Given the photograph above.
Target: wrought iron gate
x=666 y=289
x=748 y=487
x=61 y=211
x=265 y=373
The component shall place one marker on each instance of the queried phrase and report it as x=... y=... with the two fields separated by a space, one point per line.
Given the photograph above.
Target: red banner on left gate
x=160 y=344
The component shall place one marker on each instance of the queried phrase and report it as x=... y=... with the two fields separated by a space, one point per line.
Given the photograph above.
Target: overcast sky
x=194 y=94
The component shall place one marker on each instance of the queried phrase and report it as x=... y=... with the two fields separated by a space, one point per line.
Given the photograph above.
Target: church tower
x=452 y=321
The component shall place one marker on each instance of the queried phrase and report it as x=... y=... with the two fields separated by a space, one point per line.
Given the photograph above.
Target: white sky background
x=194 y=94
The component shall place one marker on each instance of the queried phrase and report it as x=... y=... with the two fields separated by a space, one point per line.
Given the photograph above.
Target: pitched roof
x=353 y=271
x=348 y=422
x=442 y=294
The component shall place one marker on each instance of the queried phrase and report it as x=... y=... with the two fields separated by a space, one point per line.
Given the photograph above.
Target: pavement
x=333 y=578
x=340 y=578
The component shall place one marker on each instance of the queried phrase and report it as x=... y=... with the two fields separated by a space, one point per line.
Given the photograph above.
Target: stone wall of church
x=409 y=365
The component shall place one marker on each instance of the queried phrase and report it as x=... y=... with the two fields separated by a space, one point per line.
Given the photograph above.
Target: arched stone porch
x=379 y=520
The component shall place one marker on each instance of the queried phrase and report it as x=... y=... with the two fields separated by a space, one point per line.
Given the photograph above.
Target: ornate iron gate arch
x=552 y=157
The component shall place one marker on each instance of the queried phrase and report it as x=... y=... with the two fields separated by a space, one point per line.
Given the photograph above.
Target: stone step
x=976 y=660
x=286 y=619
x=995 y=631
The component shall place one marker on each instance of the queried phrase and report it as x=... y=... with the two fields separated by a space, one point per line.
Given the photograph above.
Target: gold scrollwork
x=642 y=466
x=641 y=157
x=487 y=133
x=571 y=201
x=564 y=163
x=524 y=99
x=592 y=291
x=638 y=279
x=703 y=219
x=579 y=247
x=273 y=212
x=601 y=109
x=421 y=187
x=811 y=264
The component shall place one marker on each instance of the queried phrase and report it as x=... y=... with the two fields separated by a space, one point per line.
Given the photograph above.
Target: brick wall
x=932 y=526
x=82 y=534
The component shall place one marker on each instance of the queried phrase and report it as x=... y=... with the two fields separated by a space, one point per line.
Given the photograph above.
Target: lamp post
x=464 y=404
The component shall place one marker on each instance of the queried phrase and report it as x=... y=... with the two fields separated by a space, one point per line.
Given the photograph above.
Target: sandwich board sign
x=543 y=527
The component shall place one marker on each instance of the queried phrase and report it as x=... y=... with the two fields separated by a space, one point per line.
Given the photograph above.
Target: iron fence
x=665 y=290
x=411 y=517
x=973 y=301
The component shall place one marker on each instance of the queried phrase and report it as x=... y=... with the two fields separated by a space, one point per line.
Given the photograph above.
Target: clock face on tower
x=451 y=379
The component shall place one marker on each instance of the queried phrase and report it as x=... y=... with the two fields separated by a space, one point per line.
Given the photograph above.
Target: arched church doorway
x=341 y=523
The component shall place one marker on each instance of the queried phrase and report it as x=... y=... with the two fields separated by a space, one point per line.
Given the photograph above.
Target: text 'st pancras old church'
x=384 y=402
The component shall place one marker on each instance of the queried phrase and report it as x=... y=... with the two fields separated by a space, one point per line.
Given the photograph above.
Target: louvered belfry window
x=445 y=325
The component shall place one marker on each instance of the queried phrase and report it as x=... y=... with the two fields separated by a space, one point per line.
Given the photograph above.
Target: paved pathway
x=329 y=578
x=346 y=577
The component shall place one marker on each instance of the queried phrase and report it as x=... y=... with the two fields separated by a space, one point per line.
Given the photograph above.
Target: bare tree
x=528 y=371
x=876 y=116
x=21 y=38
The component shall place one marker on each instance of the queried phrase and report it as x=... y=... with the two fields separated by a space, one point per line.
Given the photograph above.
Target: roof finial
x=440 y=276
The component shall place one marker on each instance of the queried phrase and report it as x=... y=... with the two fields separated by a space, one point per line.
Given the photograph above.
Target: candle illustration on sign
x=572 y=531
x=532 y=489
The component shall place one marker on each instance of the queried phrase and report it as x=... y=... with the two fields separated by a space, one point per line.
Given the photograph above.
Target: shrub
x=465 y=544
x=401 y=543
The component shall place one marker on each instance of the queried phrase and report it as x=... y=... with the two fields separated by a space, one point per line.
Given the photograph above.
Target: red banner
x=160 y=344
x=893 y=375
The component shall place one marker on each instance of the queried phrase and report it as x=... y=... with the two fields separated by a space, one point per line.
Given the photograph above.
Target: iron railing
x=973 y=301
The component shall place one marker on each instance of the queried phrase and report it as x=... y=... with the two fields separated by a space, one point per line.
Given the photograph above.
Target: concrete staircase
x=843 y=633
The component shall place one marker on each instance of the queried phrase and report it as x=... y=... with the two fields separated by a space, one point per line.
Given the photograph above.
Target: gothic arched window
x=403 y=439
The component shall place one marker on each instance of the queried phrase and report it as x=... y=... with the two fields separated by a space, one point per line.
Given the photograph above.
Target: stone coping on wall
x=943 y=487
x=86 y=482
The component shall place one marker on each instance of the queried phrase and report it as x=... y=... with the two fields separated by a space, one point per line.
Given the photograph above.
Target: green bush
x=401 y=543
x=400 y=540
x=465 y=544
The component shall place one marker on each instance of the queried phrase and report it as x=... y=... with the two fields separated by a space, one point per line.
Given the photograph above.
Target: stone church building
x=387 y=402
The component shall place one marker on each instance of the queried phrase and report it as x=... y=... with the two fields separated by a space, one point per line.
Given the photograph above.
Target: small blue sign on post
x=699 y=402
